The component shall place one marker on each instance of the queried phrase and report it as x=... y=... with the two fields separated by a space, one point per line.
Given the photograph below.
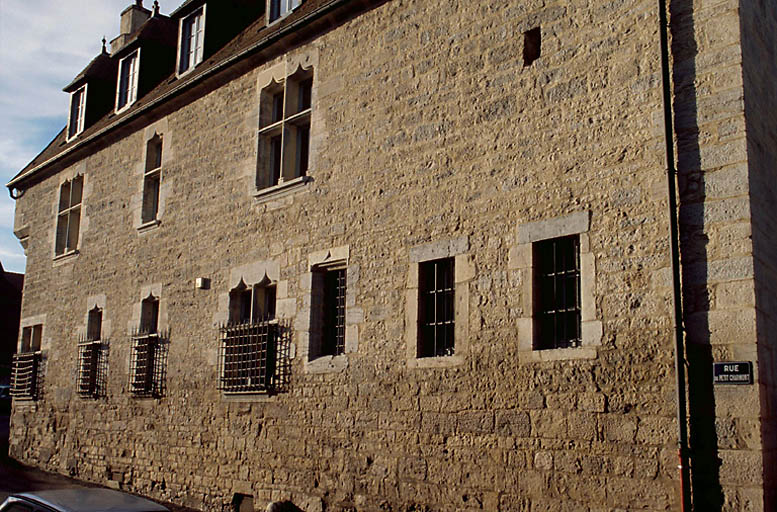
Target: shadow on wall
x=703 y=439
x=758 y=33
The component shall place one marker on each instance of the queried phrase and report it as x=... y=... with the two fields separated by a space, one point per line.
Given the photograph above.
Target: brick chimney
x=132 y=18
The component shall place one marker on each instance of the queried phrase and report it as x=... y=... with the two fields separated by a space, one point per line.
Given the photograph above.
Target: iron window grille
x=333 y=342
x=254 y=357
x=92 y=368
x=25 y=375
x=69 y=216
x=148 y=364
x=558 y=285
x=436 y=310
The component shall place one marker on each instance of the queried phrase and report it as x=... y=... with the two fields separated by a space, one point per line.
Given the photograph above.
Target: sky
x=44 y=44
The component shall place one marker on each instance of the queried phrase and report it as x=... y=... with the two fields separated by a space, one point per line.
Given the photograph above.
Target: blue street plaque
x=740 y=372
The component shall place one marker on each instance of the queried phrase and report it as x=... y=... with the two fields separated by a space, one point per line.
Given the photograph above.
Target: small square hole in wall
x=242 y=503
x=531 y=46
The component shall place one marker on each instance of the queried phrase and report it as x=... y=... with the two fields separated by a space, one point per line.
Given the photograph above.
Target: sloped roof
x=101 y=67
x=256 y=37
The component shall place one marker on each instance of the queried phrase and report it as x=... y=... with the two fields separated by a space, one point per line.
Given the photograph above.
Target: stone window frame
x=521 y=260
x=132 y=85
x=464 y=272
x=150 y=290
x=161 y=130
x=81 y=116
x=78 y=171
x=198 y=57
x=250 y=274
x=354 y=316
x=277 y=77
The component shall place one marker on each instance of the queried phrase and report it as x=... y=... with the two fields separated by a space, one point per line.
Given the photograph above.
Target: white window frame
x=286 y=8
x=199 y=49
x=132 y=87
x=81 y=113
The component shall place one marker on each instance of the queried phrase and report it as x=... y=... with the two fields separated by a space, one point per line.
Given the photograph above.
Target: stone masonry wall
x=428 y=132
x=759 y=50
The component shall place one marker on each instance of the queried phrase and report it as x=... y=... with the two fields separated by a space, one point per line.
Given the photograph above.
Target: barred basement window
x=69 y=216
x=152 y=179
x=328 y=305
x=249 y=342
x=149 y=353
x=92 y=358
x=25 y=372
x=557 y=275
x=436 y=309
x=284 y=130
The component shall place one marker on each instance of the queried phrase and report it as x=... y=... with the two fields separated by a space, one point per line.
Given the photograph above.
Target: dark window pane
x=275 y=159
x=436 y=308
x=305 y=90
x=303 y=149
x=557 y=274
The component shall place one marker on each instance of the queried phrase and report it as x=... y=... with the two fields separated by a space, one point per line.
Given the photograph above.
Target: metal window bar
x=92 y=368
x=437 y=296
x=559 y=293
x=148 y=364
x=334 y=312
x=254 y=357
x=25 y=375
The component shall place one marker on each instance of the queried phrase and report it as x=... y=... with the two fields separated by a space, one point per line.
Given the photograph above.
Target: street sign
x=740 y=372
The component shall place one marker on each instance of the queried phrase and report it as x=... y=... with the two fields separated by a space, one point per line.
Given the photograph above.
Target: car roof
x=92 y=500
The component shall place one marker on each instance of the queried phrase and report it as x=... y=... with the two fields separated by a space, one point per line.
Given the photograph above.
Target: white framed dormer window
x=75 y=123
x=191 y=41
x=277 y=9
x=127 y=88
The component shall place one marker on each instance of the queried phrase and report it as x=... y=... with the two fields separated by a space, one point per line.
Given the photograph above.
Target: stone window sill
x=327 y=364
x=558 y=354
x=247 y=397
x=436 y=362
x=149 y=226
x=282 y=189
x=66 y=256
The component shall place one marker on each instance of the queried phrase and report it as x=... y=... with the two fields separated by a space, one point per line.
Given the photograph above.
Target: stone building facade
x=387 y=195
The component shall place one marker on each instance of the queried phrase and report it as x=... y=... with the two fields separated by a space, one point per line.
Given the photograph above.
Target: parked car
x=79 y=500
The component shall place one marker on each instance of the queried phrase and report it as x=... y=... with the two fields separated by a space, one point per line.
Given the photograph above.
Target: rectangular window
x=26 y=364
x=328 y=311
x=69 y=216
x=192 y=41
x=77 y=112
x=90 y=360
x=279 y=8
x=148 y=354
x=152 y=179
x=436 y=310
x=284 y=130
x=557 y=278
x=127 y=88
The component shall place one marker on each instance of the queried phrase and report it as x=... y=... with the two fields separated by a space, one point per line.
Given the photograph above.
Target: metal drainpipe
x=679 y=352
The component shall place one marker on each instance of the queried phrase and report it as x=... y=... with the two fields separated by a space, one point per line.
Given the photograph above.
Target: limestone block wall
x=429 y=134
x=758 y=26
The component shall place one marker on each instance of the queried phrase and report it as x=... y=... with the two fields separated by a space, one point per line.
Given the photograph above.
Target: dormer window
x=280 y=8
x=75 y=124
x=192 y=39
x=127 y=88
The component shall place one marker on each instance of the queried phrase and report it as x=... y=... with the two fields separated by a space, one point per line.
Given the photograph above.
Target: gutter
x=674 y=235
x=261 y=44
